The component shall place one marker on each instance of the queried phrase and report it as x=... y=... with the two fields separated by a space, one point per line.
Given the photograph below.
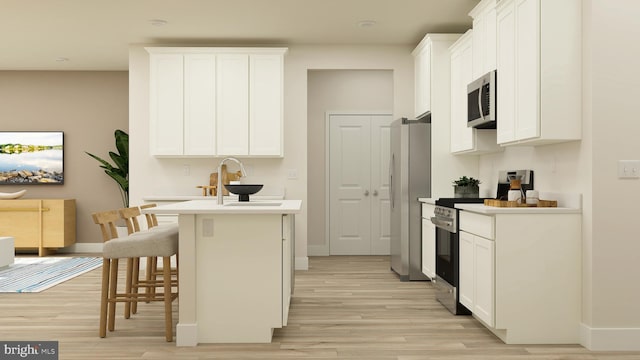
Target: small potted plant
x=466 y=187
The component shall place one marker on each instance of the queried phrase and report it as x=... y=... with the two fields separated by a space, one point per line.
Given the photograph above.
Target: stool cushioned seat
x=141 y=244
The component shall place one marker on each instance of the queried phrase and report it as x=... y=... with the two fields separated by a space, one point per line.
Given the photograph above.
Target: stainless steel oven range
x=447 y=253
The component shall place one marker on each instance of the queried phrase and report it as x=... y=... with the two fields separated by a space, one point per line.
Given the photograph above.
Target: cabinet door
x=232 y=98
x=287 y=265
x=479 y=24
x=506 y=72
x=199 y=104
x=265 y=104
x=484 y=295
x=527 y=13
x=490 y=37
x=423 y=80
x=428 y=248
x=467 y=272
x=166 y=104
x=462 y=136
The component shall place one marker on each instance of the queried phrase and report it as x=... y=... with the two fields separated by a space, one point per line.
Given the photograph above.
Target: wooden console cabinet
x=42 y=224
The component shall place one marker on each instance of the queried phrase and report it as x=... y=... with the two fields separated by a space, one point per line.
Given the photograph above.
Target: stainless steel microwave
x=481 y=102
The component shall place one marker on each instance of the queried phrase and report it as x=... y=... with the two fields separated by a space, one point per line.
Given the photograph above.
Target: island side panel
x=186 y=330
x=238 y=277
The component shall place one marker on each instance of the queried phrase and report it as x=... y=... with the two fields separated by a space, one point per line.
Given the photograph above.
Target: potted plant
x=119 y=171
x=466 y=187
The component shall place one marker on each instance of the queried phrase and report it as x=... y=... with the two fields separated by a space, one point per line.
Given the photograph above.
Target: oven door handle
x=441 y=224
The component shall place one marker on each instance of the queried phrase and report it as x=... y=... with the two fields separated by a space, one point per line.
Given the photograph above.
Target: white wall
x=152 y=176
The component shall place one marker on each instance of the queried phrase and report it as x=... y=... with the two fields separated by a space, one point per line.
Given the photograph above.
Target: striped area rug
x=31 y=275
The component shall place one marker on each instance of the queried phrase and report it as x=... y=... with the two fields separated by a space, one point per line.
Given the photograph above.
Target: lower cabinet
x=428 y=241
x=477 y=273
x=520 y=274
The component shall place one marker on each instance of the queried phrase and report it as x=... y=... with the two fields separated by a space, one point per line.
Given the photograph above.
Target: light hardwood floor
x=345 y=307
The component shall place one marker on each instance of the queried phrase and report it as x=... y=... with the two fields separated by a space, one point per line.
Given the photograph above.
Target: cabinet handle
x=366 y=193
x=375 y=192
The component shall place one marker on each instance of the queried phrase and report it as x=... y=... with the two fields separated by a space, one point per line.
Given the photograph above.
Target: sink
x=249 y=203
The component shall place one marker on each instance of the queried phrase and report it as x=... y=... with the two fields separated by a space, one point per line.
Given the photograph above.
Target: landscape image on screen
x=31 y=157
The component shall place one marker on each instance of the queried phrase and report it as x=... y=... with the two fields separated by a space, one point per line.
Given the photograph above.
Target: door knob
x=375 y=192
x=366 y=193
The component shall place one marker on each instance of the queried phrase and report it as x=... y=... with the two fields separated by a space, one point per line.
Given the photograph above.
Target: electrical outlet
x=628 y=169
x=186 y=170
x=207 y=227
x=292 y=174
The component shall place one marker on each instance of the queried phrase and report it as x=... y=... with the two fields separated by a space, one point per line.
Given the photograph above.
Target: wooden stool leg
x=104 y=297
x=113 y=285
x=166 y=274
x=148 y=277
x=127 y=287
x=135 y=275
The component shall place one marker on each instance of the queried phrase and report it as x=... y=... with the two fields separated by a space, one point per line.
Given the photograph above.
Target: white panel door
x=484 y=280
x=200 y=104
x=166 y=104
x=359 y=202
x=380 y=200
x=350 y=181
x=466 y=283
x=265 y=104
x=527 y=69
x=506 y=73
x=232 y=98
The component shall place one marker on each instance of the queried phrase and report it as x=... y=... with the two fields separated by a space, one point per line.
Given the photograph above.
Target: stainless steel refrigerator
x=410 y=179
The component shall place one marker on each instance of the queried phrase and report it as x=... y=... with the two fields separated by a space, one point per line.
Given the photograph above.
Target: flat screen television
x=31 y=157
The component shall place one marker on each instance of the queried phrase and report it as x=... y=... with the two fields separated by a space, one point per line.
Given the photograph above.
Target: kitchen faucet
x=219 y=185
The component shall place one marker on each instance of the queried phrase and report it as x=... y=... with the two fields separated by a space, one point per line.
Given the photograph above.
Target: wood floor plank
x=344 y=307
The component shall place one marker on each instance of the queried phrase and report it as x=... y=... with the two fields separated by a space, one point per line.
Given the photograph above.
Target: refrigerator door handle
x=391 y=189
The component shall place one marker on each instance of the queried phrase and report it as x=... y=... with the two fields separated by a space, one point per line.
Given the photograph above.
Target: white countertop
x=152 y=198
x=490 y=210
x=229 y=207
x=431 y=201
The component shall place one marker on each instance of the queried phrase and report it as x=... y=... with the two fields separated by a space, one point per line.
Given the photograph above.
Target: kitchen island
x=236 y=269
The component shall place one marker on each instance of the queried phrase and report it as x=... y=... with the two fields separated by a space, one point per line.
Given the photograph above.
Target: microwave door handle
x=480 y=101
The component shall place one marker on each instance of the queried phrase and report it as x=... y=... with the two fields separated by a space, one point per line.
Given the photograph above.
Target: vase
x=466 y=191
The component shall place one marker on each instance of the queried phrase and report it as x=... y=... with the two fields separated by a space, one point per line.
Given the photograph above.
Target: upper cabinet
x=539 y=67
x=484 y=37
x=216 y=101
x=430 y=53
x=464 y=139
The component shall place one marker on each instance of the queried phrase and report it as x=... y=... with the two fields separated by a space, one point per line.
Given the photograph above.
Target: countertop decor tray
x=504 y=203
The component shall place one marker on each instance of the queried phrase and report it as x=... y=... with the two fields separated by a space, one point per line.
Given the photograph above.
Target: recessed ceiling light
x=62 y=59
x=366 y=23
x=158 y=22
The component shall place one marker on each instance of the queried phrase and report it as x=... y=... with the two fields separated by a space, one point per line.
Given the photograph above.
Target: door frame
x=326 y=249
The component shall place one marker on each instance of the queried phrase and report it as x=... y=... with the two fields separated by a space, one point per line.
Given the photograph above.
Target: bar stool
x=135 y=245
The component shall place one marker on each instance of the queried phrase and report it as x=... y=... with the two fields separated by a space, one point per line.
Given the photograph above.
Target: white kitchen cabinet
x=539 y=59
x=422 y=68
x=428 y=241
x=265 y=104
x=484 y=37
x=428 y=56
x=216 y=101
x=166 y=95
x=199 y=104
x=288 y=272
x=233 y=104
x=520 y=274
x=466 y=140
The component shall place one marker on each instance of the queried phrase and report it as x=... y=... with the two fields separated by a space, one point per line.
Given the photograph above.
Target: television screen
x=31 y=157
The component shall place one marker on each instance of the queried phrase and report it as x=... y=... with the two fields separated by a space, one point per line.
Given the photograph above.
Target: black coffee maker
x=504 y=181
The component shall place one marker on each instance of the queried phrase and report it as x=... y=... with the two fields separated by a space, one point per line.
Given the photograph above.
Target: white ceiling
x=95 y=34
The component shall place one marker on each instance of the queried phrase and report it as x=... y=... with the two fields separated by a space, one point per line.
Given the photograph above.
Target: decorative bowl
x=243 y=190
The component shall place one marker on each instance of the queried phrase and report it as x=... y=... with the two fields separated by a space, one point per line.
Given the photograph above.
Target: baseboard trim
x=317 y=250
x=610 y=339
x=302 y=263
x=82 y=248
